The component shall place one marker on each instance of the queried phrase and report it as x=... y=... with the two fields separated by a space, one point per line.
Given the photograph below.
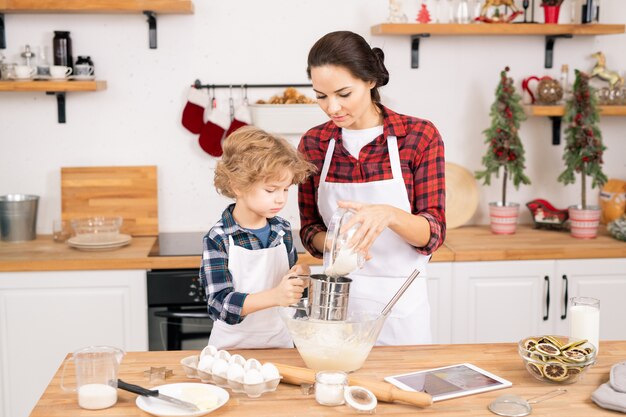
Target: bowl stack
x=98 y=233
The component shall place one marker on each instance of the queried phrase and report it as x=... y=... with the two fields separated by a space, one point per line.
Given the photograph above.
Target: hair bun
x=383 y=74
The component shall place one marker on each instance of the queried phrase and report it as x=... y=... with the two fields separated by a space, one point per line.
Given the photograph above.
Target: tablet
x=449 y=381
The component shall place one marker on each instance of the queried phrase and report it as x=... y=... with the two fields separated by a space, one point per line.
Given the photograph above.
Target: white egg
x=253 y=376
x=206 y=363
x=269 y=371
x=220 y=367
x=223 y=354
x=235 y=372
x=252 y=364
x=238 y=359
x=210 y=350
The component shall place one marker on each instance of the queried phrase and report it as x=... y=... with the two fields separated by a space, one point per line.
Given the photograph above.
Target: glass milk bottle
x=584 y=320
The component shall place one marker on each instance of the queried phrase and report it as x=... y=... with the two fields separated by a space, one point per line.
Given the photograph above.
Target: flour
x=346 y=261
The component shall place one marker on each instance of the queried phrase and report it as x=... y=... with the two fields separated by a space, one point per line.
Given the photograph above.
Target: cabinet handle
x=565 y=297
x=547 y=285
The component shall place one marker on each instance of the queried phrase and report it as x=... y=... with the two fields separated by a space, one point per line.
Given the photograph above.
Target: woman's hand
x=289 y=291
x=374 y=218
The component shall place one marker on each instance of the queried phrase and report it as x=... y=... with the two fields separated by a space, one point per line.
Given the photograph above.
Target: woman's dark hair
x=350 y=51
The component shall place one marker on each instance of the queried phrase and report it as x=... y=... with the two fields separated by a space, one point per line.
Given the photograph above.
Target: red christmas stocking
x=242 y=118
x=193 y=113
x=213 y=132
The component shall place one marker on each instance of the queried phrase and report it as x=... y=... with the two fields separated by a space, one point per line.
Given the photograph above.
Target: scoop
x=511 y=405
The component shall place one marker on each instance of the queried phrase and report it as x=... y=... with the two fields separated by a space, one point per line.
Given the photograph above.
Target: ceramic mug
x=24 y=72
x=60 y=71
x=83 y=71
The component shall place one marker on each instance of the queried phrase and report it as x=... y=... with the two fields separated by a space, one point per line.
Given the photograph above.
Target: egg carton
x=253 y=390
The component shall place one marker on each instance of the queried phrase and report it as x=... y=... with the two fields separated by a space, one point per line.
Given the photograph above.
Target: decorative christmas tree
x=583 y=148
x=505 y=148
x=423 y=16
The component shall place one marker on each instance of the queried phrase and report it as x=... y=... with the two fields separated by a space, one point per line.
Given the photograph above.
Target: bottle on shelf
x=587 y=11
x=43 y=60
x=564 y=79
x=62 y=45
x=462 y=12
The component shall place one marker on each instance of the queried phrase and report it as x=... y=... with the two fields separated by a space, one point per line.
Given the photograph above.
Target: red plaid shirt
x=423 y=169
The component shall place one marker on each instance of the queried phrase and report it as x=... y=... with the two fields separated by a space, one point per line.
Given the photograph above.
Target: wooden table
x=288 y=400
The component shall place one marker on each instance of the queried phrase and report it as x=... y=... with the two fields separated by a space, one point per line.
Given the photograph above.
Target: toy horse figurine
x=498 y=17
x=600 y=71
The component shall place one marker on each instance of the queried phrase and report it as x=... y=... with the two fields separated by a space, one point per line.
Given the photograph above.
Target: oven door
x=177 y=310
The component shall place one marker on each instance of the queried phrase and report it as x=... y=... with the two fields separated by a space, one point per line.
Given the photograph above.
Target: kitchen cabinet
x=552 y=32
x=505 y=301
x=439 y=276
x=46 y=315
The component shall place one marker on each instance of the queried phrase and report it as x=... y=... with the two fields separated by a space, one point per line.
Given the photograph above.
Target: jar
x=329 y=386
x=62 y=45
x=84 y=60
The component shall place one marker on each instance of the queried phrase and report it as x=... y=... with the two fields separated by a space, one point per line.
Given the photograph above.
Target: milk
x=96 y=396
x=585 y=323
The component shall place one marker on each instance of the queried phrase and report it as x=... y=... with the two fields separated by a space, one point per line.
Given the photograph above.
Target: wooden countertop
x=473 y=243
x=288 y=400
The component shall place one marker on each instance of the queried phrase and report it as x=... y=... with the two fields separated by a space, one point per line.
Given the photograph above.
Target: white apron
x=393 y=259
x=254 y=271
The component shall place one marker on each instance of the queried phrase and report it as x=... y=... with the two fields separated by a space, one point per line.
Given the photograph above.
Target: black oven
x=177 y=312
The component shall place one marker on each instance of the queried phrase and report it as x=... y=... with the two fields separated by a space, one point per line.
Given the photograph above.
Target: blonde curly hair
x=251 y=155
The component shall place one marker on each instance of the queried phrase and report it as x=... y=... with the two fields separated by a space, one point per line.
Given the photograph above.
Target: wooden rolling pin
x=382 y=390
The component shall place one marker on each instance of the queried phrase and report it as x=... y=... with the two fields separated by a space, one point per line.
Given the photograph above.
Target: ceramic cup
x=60 y=71
x=83 y=71
x=24 y=72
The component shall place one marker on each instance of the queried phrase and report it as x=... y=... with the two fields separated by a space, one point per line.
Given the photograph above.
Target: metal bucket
x=328 y=297
x=18 y=217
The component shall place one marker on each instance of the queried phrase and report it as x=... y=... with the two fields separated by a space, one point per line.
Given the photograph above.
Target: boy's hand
x=300 y=269
x=289 y=291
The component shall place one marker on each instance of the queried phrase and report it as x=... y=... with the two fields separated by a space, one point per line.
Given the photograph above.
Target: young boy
x=248 y=255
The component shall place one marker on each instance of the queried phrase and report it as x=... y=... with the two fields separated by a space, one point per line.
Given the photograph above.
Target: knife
x=136 y=389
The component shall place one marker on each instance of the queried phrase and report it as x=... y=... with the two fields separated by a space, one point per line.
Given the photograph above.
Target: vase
x=551 y=14
x=584 y=222
x=503 y=218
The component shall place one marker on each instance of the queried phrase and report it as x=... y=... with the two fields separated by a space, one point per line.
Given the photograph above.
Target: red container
x=551 y=14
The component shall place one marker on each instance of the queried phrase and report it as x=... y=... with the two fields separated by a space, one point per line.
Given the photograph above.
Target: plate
x=161 y=408
x=82 y=77
x=92 y=243
x=461 y=195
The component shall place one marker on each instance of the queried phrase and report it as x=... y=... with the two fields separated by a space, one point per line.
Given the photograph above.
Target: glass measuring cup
x=511 y=405
x=340 y=259
x=96 y=369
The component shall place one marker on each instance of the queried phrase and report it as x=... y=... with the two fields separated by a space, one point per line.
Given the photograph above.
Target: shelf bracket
x=3 y=35
x=549 y=52
x=556 y=129
x=152 y=28
x=60 y=104
x=415 y=48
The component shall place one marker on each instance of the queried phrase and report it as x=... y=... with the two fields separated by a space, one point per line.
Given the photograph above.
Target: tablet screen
x=449 y=382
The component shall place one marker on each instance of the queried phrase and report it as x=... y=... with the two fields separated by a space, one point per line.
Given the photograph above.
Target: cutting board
x=130 y=192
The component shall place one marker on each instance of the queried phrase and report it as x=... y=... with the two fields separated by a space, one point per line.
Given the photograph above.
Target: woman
x=388 y=168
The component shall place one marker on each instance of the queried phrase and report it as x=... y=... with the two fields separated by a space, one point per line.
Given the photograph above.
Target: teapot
x=549 y=91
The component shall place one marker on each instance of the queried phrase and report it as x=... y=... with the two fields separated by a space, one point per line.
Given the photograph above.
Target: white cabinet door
x=502 y=301
x=45 y=315
x=604 y=279
x=439 y=276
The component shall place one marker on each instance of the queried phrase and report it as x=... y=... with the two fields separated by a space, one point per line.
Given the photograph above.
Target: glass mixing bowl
x=332 y=345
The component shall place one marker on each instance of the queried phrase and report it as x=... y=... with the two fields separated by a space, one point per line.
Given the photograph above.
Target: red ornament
x=423 y=16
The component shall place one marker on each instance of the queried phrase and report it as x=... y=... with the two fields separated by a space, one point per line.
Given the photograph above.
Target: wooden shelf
x=490 y=29
x=556 y=112
x=56 y=88
x=53 y=86
x=552 y=32
x=559 y=110
x=92 y=6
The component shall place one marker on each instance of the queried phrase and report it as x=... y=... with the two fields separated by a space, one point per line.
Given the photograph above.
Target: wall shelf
x=550 y=31
x=56 y=88
x=556 y=113
x=148 y=7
